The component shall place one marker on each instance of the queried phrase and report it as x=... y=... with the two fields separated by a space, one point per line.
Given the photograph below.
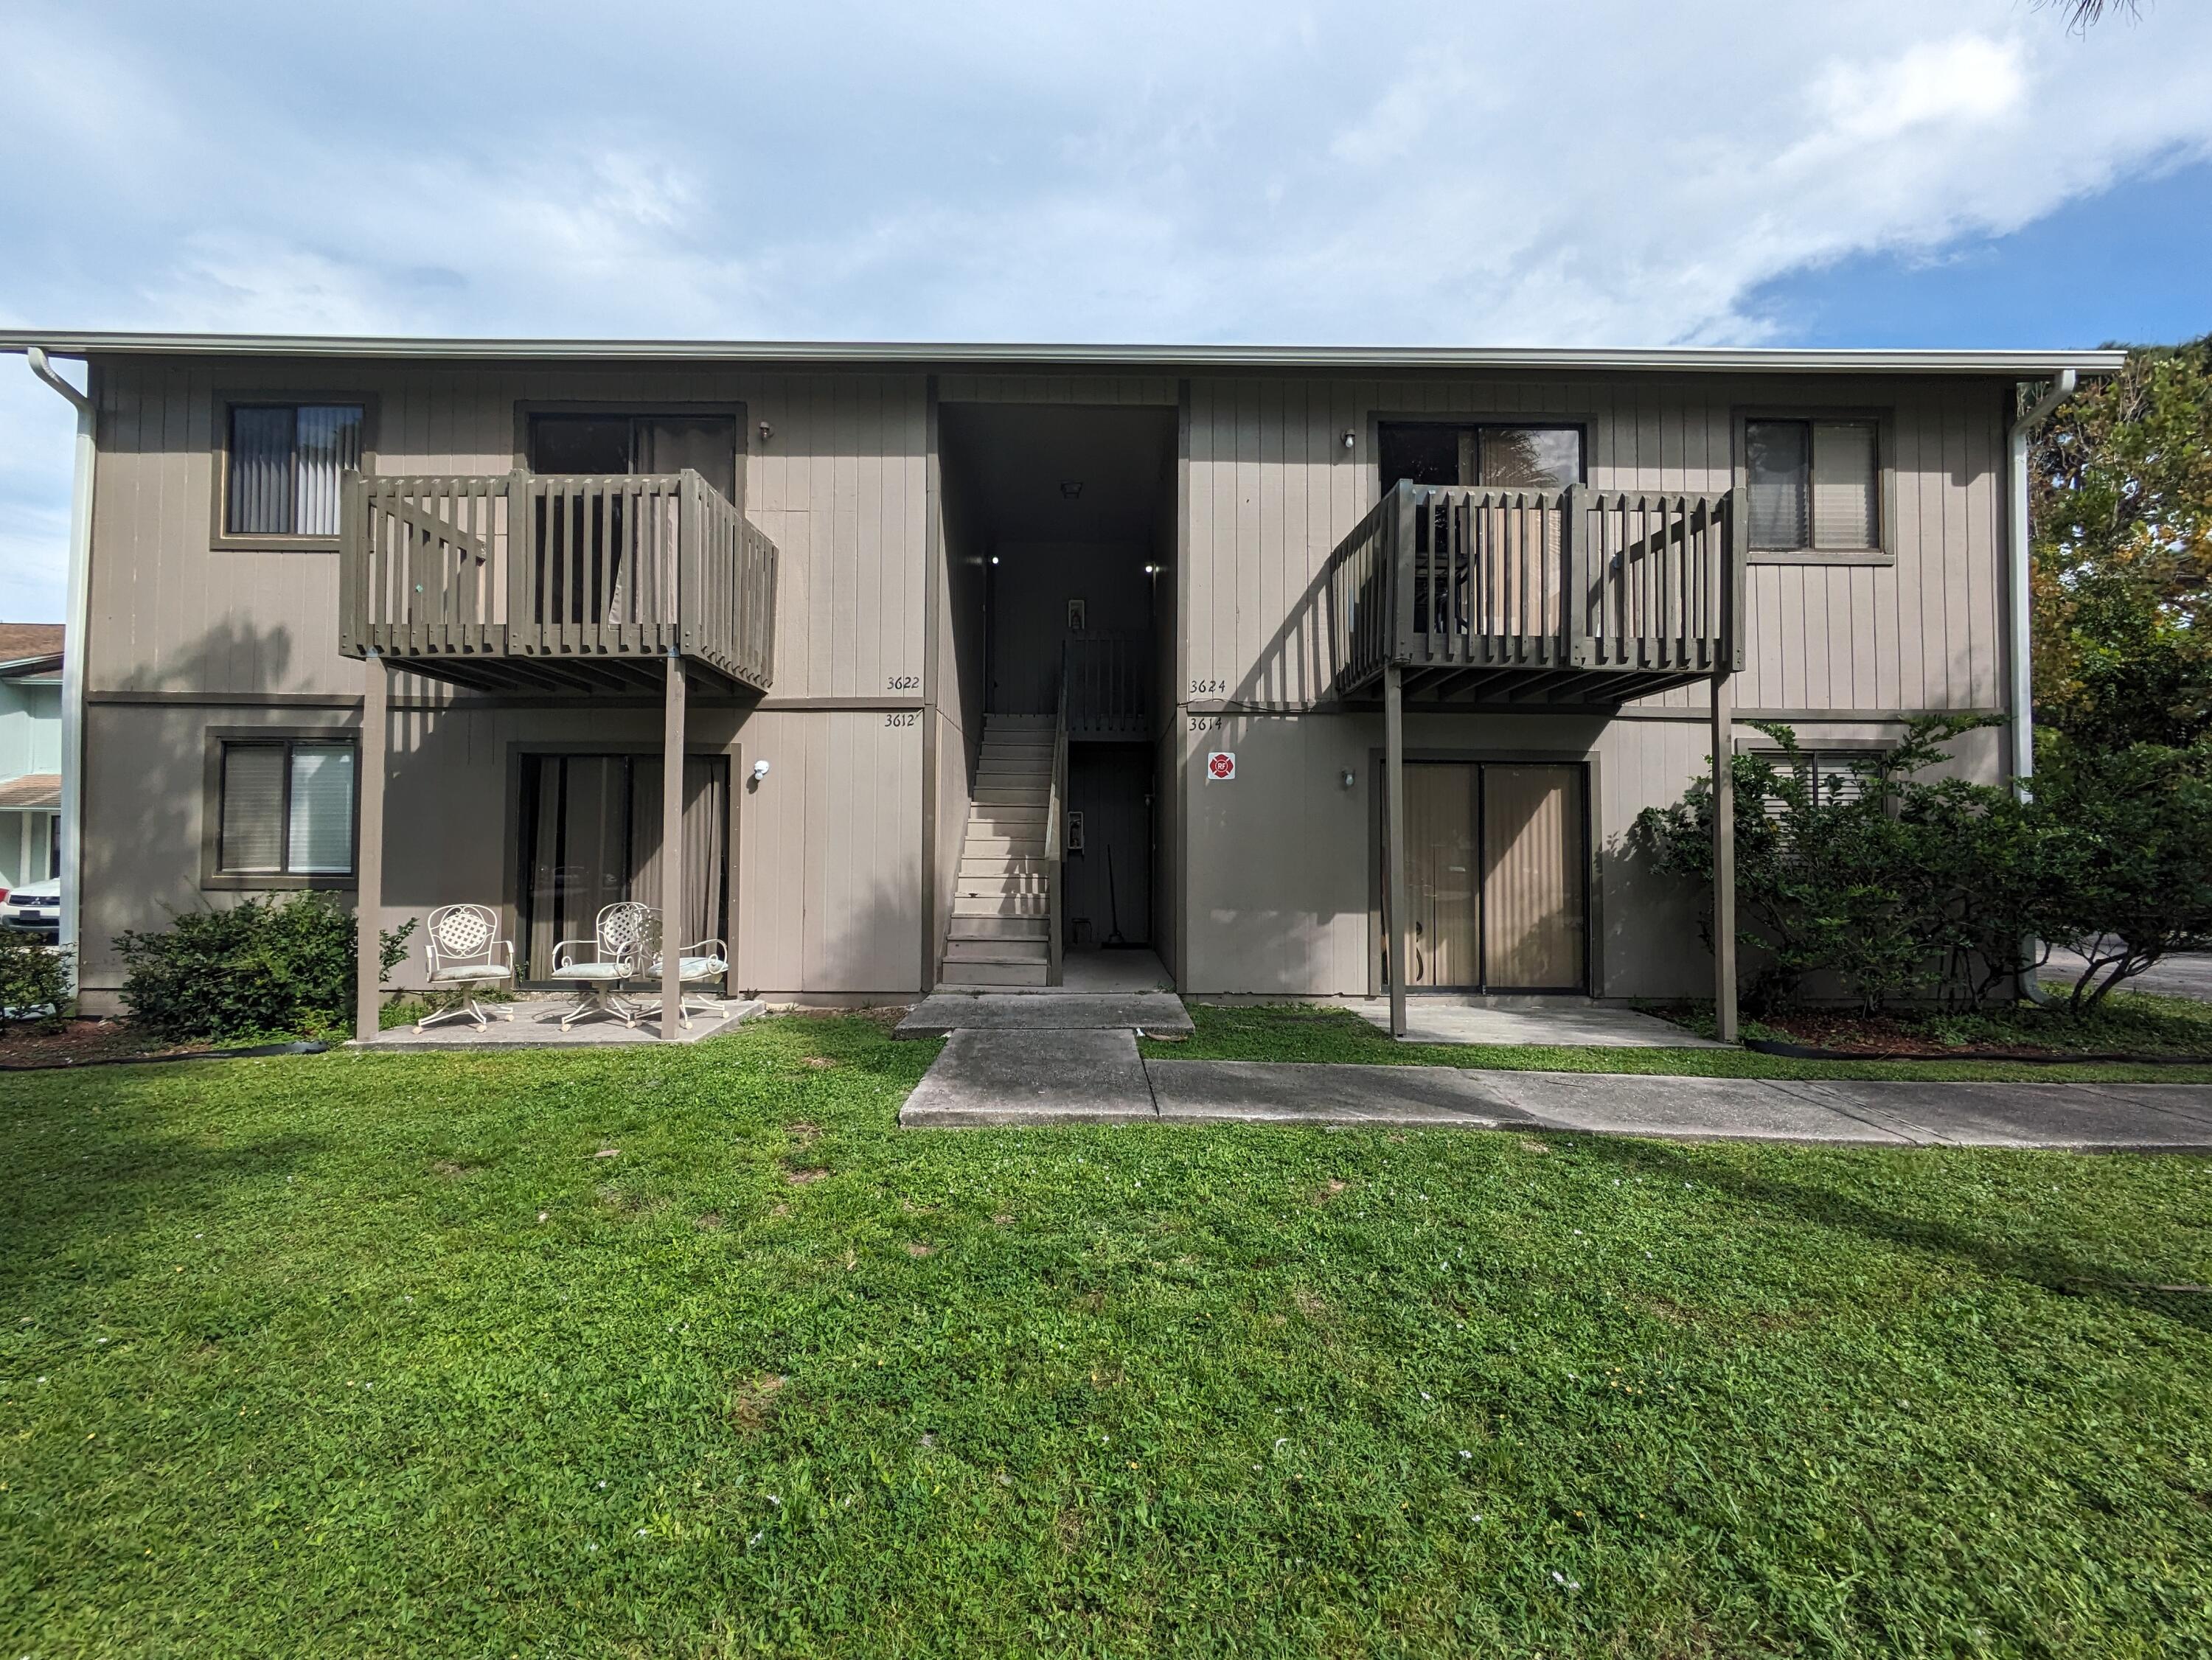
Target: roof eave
x=2019 y=364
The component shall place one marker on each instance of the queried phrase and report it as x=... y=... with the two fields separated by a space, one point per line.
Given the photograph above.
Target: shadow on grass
x=2052 y=1271
x=78 y=1178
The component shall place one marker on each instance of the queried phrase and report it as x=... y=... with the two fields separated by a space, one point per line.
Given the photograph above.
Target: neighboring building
x=885 y=553
x=30 y=752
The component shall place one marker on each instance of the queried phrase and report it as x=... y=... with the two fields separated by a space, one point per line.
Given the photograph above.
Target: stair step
x=990 y=847
x=998 y=928
x=985 y=887
x=996 y=974
x=998 y=904
x=1007 y=951
x=973 y=863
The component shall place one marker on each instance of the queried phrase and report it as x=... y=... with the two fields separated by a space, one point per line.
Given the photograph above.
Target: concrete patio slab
x=1044 y=1011
x=537 y=1025
x=1550 y=1021
x=1032 y=1077
x=1269 y=1092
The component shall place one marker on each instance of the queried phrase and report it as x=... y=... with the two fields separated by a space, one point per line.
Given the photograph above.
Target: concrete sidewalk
x=1034 y=1078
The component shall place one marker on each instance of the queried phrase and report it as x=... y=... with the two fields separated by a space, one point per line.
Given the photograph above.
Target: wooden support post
x=671 y=851
x=368 y=856
x=1724 y=1011
x=1393 y=839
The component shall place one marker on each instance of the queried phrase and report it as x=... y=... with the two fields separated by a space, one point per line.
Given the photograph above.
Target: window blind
x=1777 y=466
x=321 y=835
x=286 y=463
x=261 y=471
x=252 y=823
x=1845 y=480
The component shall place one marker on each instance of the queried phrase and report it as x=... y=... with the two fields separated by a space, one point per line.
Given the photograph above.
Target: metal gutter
x=74 y=641
x=2012 y=365
x=2019 y=564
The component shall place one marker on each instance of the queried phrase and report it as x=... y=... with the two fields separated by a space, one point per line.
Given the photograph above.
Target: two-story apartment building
x=30 y=752
x=978 y=656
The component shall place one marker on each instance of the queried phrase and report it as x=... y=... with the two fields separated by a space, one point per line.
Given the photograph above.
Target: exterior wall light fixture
x=1347 y=777
x=1350 y=440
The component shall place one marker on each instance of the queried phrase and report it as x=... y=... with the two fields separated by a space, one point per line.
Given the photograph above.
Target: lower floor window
x=287 y=808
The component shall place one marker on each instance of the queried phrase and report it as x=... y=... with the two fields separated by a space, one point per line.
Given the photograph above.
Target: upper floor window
x=285 y=809
x=617 y=443
x=1502 y=457
x=1814 y=485
x=286 y=461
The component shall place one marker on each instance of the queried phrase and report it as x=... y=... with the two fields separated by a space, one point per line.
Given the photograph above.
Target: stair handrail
x=1055 y=819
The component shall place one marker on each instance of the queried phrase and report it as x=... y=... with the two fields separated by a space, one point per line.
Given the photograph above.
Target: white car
x=35 y=908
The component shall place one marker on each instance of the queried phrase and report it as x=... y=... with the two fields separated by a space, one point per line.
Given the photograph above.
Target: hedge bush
x=34 y=980
x=262 y=967
x=1912 y=891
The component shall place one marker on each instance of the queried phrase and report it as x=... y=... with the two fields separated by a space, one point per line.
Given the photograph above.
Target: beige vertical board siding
x=773 y=891
x=1278 y=879
x=862 y=930
x=838 y=489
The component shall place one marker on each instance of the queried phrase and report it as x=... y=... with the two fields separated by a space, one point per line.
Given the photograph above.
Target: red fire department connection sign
x=1220 y=767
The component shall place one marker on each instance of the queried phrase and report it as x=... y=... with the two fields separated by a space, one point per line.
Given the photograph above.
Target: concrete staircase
x=998 y=932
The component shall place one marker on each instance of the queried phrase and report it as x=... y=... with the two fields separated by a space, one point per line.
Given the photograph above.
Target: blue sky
x=1588 y=172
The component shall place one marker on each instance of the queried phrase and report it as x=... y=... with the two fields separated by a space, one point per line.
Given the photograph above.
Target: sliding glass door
x=590 y=838
x=1495 y=883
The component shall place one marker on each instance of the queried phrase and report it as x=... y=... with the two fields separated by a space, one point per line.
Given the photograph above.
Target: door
x=1495 y=886
x=1442 y=891
x=1532 y=878
x=591 y=831
x=586 y=547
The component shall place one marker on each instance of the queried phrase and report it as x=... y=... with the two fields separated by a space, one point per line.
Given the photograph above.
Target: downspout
x=76 y=642
x=2019 y=562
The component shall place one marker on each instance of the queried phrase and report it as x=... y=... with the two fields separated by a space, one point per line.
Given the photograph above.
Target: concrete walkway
x=1094 y=1076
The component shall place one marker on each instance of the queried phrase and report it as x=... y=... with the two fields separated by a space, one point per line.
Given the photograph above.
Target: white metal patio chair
x=600 y=967
x=466 y=956
x=700 y=963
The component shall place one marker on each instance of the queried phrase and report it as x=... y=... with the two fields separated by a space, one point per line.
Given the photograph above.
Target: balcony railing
x=1107 y=681
x=1550 y=596
x=556 y=581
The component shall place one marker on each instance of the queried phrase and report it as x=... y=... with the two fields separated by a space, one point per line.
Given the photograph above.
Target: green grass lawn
x=1311 y=1031
x=377 y=1355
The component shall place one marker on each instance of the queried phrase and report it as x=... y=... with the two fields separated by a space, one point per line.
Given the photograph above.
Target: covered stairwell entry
x=999 y=934
x=1060 y=529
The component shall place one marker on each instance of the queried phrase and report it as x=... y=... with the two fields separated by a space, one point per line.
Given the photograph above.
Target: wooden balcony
x=526 y=581
x=1575 y=596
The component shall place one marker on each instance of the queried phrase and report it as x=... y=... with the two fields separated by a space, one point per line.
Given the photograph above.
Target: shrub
x=34 y=980
x=1850 y=883
x=1911 y=889
x=2128 y=836
x=258 y=968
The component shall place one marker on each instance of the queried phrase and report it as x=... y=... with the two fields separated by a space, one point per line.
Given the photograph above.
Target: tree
x=2122 y=579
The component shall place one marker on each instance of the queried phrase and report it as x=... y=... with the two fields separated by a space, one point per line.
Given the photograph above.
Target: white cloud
x=1608 y=173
